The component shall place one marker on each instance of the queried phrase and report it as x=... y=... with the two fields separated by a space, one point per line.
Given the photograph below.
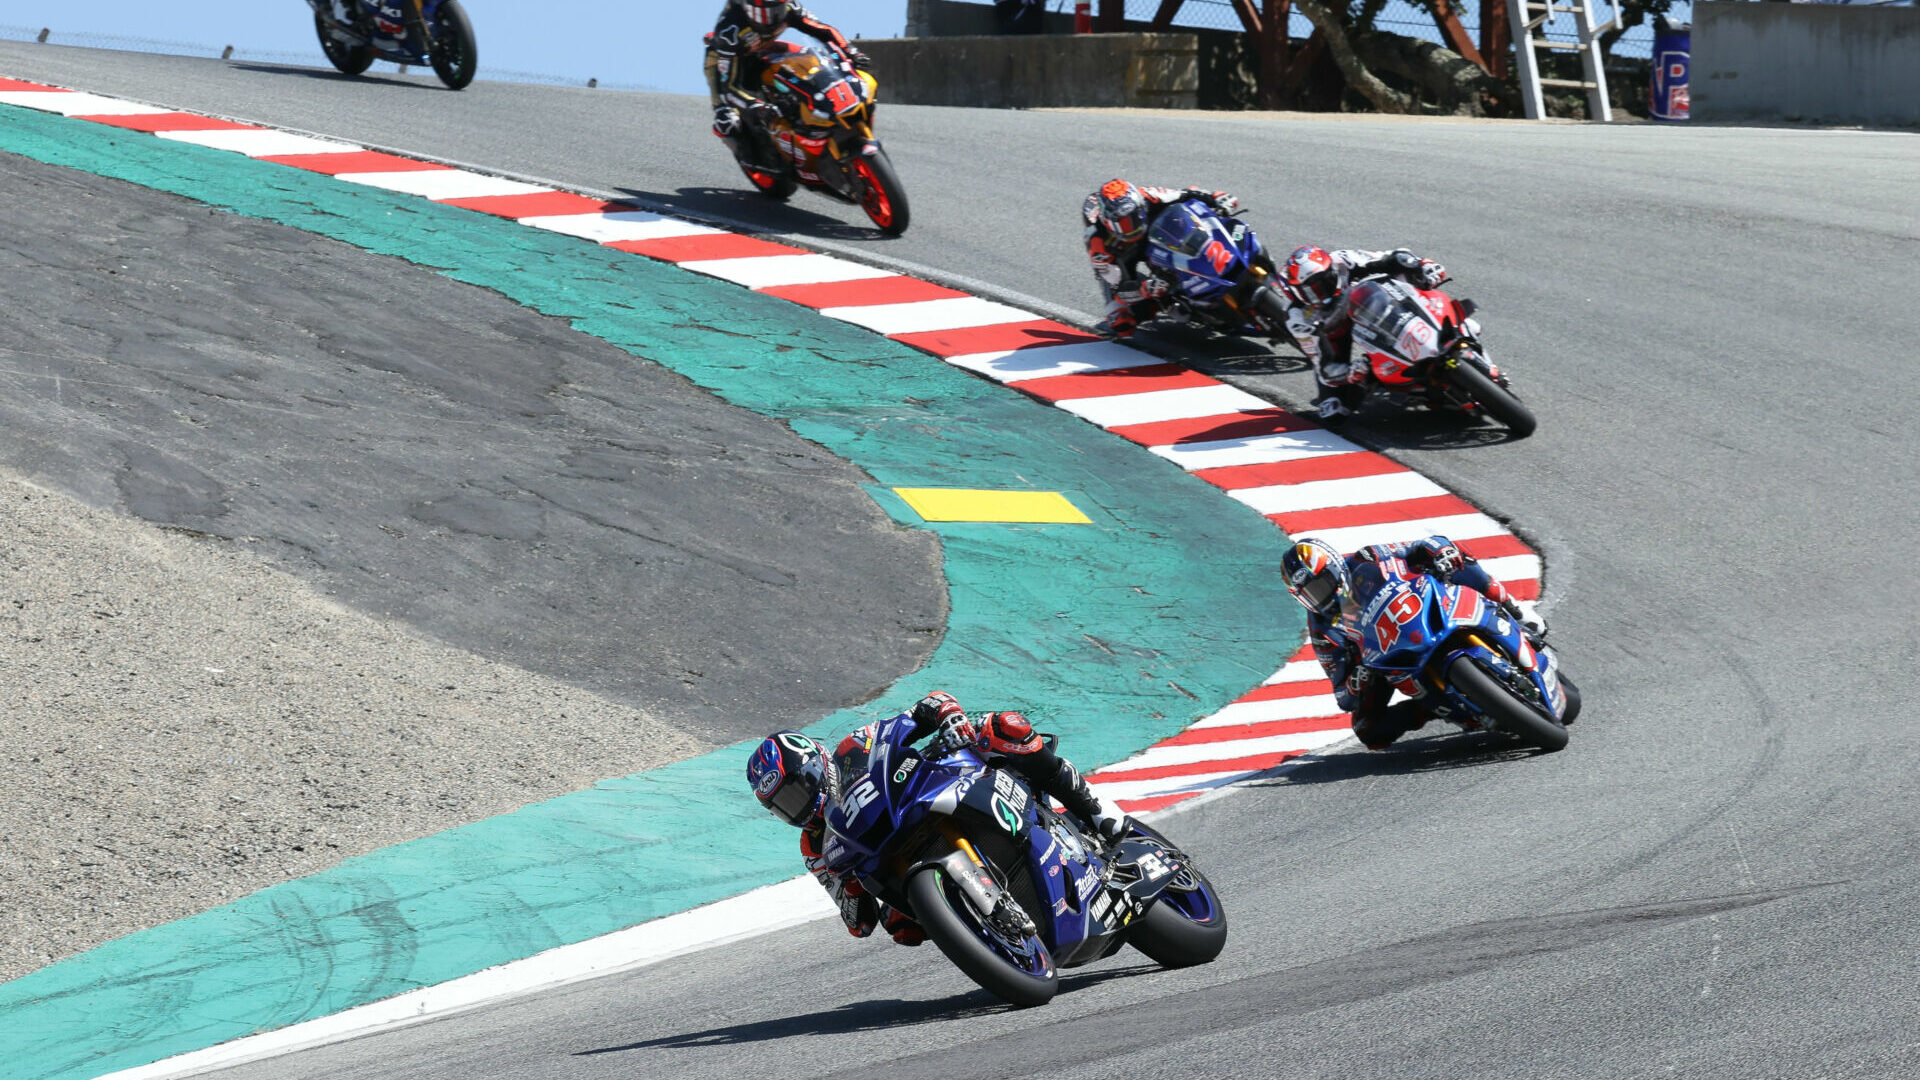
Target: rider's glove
x=1221 y=201
x=860 y=61
x=1154 y=288
x=726 y=120
x=957 y=731
x=1432 y=274
x=1441 y=560
x=934 y=709
x=1120 y=319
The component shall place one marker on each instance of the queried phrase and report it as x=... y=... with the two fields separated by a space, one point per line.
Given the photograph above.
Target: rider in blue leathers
x=1321 y=579
x=793 y=777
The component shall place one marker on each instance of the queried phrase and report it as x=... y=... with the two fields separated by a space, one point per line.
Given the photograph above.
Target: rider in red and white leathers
x=1316 y=283
x=1117 y=217
x=746 y=32
x=1320 y=578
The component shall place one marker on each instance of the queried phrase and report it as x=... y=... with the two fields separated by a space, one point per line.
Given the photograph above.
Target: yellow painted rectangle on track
x=970 y=504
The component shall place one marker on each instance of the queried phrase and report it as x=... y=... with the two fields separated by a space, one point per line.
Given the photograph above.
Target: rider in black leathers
x=746 y=32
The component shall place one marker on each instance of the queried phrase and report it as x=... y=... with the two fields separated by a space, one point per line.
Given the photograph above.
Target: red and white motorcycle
x=1422 y=341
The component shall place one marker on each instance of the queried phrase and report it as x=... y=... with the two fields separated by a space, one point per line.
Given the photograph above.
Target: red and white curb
x=1304 y=478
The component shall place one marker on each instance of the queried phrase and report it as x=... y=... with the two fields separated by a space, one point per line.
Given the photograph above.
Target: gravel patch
x=185 y=725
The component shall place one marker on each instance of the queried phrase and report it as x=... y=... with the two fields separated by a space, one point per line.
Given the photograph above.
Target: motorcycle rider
x=1316 y=283
x=793 y=778
x=1321 y=579
x=736 y=55
x=1117 y=217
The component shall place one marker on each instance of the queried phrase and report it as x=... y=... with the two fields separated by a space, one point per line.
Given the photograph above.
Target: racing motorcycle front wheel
x=1496 y=399
x=1187 y=925
x=1501 y=705
x=454 y=54
x=1016 y=970
x=349 y=59
x=881 y=195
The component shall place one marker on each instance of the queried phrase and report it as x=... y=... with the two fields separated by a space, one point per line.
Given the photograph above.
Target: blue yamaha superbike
x=1449 y=643
x=355 y=33
x=1008 y=888
x=1217 y=272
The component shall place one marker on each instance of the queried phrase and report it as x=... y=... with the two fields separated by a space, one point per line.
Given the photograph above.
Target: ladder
x=1530 y=20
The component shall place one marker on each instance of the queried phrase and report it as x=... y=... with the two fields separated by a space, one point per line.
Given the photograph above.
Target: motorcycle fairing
x=1405 y=620
x=399 y=27
x=1204 y=253
x=1082 y=898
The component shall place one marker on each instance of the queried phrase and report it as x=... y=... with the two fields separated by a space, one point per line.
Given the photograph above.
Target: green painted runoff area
x=1114 y=634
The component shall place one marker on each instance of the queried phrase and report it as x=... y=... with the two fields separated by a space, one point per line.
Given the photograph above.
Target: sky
x=653 y=44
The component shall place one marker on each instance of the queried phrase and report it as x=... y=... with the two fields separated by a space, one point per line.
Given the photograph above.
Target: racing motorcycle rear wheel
x=1020 y=973
x=454 y=53
x=881 y=195
x=1508 y=713
x=773 y=185
x=1187 y=925
x=349 y=59
x=1496 y=399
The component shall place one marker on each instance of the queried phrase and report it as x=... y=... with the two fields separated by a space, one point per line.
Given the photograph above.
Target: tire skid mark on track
x=1304 y=478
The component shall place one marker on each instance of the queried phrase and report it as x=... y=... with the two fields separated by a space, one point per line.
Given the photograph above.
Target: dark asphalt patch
x=432 y=452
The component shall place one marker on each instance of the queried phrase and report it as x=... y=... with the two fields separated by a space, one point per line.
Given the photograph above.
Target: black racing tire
x=1172 y=939
x=1496 y=399
x=1508 y=713
x=1573 y=700
x=1169 y=934
x=777 y=186
x=932 y=900
x=455 y=55
x=884 y=200
x=349 y=59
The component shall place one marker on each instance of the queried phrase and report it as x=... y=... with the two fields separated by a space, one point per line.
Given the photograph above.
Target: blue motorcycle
x=1008 y=888
x=1473 y=664
x=355 y=33
x=1216 y=271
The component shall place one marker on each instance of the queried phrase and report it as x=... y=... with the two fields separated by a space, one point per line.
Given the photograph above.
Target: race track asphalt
x=1717 y=879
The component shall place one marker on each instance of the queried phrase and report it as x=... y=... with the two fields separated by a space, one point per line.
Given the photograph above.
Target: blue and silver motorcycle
x=1461 y=653
x=355 y=33
x=1217 y=272
x=1008 y=888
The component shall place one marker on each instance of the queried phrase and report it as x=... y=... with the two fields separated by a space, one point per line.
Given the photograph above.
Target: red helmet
x=1310 y=276
x=1123 y=210
x=766 y=12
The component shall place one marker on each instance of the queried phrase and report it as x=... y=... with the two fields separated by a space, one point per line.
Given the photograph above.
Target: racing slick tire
x=777 y=186
x=884 y=200
x=1496 y=399
x=934 y=902
x=1187 y=925
x=454 y=55
x=1508 y=713
x=349 y=59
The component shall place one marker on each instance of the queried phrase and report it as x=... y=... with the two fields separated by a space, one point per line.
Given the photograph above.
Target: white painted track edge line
x=760 y=911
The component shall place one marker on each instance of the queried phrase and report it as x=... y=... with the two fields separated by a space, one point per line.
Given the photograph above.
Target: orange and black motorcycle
x=823 y=137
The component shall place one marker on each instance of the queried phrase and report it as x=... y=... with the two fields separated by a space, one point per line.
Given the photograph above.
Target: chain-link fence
x=307 y=58
x=1397 y=16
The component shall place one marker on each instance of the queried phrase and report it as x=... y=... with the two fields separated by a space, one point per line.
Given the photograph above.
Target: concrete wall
x=1832 y=64
x=1157 y=71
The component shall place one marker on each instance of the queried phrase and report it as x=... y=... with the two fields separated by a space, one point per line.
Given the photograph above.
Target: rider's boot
x=1107 y=822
